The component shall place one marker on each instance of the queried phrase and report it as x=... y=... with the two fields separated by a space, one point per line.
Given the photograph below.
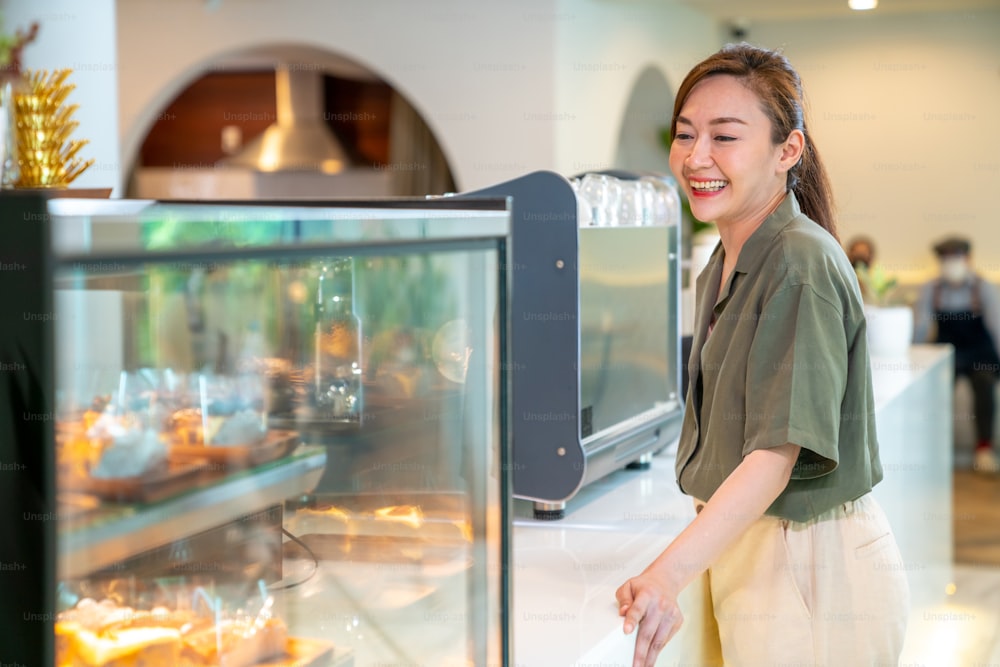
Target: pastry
x=242 y=428
x=328 y=520
x=131 y=454
x=107 y=447
x=104 y=634
x=406 y=514
x=130 y=647
x=235 y=643
x=185 y=426
x=245 y=427
x=74 y=452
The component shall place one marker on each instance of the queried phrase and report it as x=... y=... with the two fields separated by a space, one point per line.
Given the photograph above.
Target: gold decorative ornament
x=46 y=156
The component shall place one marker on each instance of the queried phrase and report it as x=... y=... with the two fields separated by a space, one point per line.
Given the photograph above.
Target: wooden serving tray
x=73 y=505
x=301 y=652
x=151 y=487
x=276 y=444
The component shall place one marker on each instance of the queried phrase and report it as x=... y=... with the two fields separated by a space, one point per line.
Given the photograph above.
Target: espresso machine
x=595 y=365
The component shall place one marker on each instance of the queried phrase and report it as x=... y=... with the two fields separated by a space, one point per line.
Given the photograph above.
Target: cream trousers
x=829 y=592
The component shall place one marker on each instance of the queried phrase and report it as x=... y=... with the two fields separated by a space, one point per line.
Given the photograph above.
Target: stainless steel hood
x=299 y=139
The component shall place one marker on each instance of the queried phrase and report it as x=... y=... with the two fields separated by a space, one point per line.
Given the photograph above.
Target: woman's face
x=722 y=153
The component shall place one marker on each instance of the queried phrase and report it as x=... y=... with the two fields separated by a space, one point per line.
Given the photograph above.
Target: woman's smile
x=707 y=188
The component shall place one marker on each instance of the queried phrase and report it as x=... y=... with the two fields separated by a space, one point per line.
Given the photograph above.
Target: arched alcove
x=189 y=147
x=647 y=114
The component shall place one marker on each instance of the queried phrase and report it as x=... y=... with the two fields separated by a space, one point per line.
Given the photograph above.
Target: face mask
x=954 y=270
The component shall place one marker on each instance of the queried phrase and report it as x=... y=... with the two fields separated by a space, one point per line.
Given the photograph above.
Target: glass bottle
x=337 y=387
x=10 y=85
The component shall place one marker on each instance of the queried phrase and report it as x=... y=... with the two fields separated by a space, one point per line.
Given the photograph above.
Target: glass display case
x=254 y=433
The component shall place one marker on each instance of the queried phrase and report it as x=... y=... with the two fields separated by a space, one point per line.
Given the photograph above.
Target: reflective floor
x=965 y=630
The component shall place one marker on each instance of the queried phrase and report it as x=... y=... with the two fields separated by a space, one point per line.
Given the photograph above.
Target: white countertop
x=892 y=376
x=565 y=572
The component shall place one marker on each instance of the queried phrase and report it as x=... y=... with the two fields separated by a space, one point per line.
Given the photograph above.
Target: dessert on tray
x=109 y=446
x=152 y=433
x=243 y=427
x=106 y=634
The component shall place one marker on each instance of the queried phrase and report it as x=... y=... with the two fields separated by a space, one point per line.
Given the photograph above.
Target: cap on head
x=952 y=246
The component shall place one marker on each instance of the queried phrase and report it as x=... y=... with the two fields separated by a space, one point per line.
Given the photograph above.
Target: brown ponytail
x=777 y=85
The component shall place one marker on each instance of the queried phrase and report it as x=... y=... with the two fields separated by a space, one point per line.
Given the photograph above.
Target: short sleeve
x=796 y=378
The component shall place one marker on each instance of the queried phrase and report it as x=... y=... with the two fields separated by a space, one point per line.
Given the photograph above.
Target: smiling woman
x=778 y=447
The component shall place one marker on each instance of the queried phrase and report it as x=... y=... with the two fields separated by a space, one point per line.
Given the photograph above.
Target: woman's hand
x=649 y=602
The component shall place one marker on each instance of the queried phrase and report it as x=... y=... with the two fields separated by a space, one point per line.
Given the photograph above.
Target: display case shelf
x=114 y=533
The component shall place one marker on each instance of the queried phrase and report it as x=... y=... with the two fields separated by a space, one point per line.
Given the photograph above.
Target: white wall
x=905 y=112
x=473 y=70
x=602 y=49
x=80 y=36
x=508 y=87
x=903 y=107
x=495 y=80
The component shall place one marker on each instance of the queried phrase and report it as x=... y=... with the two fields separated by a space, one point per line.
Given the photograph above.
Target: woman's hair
x=769 y=76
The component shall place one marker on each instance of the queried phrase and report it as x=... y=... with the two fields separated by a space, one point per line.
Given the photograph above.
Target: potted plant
x=890 y=318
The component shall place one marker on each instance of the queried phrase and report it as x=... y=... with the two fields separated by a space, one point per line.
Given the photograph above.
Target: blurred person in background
x=961 y=308
x=861 y=252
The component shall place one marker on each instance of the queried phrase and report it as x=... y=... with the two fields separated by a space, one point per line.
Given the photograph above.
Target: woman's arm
x=649 y=600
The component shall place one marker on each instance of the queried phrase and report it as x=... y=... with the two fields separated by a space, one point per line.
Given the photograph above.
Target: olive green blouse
x=785 y=361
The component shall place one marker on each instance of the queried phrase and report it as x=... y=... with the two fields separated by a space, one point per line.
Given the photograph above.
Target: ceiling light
x=862 y=4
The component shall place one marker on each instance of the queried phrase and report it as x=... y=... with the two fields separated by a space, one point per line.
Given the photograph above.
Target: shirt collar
x=754 y=248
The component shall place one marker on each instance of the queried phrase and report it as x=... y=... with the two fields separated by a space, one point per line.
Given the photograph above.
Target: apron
x=966 y=331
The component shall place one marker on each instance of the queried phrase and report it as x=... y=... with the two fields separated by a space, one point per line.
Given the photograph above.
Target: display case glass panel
x=278 y=432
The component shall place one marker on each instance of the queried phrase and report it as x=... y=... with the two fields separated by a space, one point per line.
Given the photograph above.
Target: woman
x=778 y=447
